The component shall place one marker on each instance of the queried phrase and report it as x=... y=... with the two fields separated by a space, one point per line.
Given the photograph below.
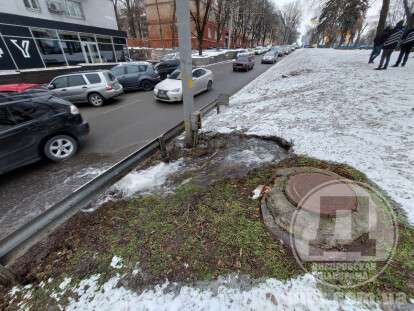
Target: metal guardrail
x=20 y=241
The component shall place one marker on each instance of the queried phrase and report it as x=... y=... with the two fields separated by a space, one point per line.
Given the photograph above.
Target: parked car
x=242 y=51
x=18 y=87
x=270 y=57
x=260 y=50
x=171 y=56
x=136 y=76
x=170 y=90
x=244 y=62
x=94 y=87
x=39 y=126
x=167 y=67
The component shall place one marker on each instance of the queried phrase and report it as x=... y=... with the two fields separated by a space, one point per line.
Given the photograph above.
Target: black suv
x=33 y=127
x=167 y=67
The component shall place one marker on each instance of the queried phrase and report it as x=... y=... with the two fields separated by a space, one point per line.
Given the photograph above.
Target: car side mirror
x=168 y=76
x=51 y=87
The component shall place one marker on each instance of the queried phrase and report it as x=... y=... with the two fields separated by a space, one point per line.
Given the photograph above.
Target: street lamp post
x=184 y=33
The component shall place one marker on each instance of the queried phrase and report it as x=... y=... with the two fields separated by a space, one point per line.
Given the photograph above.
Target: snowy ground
x=335 y=107
x=230 y=293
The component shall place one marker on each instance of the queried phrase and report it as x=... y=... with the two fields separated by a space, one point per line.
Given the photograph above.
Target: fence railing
x=20 y=241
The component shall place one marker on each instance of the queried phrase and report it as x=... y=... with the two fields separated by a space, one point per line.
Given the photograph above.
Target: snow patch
x=251 y=157
x=257 y=193
x=116 y=262
x=65 y=283
x=296 y=294
x=147 y=180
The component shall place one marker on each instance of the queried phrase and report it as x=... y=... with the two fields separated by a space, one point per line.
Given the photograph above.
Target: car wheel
x=210 y=85
x=60 y=148
x=147 y=85
x=96 y=100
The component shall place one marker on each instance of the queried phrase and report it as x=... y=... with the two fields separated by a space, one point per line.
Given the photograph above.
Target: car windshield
x=270 y=54
x=176 y=75
x=243 y=58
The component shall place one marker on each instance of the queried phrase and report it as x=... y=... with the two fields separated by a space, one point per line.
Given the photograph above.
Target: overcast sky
x=310 y=10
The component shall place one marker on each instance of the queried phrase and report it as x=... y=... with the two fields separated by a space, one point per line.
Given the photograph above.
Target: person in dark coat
x=378 y=43
x=392 y=41
x=407 y=44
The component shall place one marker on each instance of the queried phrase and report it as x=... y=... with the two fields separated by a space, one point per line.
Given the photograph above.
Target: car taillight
x=109 y=88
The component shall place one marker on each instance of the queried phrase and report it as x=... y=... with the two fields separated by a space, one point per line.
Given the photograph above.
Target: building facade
x=56 y=33
x=162 y=30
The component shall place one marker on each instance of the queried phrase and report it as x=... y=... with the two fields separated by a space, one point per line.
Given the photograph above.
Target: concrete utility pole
x=186 y=63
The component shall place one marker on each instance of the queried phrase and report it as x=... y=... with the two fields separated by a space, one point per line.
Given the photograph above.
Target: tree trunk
x=200 y=45
x=130 y=17
x=159 y=24
x=115 y=2
x=408 y=14
x=383 y=16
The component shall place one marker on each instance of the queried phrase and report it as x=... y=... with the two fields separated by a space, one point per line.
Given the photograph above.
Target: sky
x=310 y=11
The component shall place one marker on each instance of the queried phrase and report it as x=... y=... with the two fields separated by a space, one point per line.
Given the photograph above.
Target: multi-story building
x=162 y=30
x=54 y=33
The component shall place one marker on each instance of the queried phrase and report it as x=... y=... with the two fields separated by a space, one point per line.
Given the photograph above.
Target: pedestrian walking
x=407 y=44
x=393 y=39
x=378 y=44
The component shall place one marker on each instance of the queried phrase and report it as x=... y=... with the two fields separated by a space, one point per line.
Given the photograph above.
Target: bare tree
x=200 y=17
x=129 y=5
x=408 y=8
x=159 y=23
x=221 y=15
x=383 y=16
x=115 y=4
x=291 y=15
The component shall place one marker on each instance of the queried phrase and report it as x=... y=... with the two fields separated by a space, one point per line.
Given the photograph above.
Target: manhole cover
x=339 y=199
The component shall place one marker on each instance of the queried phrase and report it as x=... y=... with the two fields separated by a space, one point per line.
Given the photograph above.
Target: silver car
x=93 y=87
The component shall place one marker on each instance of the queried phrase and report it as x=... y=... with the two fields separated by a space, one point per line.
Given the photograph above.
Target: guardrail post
x=7 y=277
x=163 y=148
x=222 y=100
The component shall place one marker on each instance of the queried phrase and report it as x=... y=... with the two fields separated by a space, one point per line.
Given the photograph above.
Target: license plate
x=162 y=94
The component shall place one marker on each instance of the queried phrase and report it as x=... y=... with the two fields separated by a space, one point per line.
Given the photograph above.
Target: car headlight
x=74 y=110
x=155 y=91
x=176 y=91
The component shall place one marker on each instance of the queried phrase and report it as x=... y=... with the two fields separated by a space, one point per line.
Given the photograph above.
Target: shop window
x=118 y=40
x=107 y=53
x=121 y=53
x=44 y=33
x=73 y=52
x=51 y=52
x=87 y=37
x=68 y=35
x=32 y=5
x=102 y=39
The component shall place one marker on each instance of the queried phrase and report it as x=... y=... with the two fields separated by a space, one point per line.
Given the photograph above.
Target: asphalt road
x=117 y=129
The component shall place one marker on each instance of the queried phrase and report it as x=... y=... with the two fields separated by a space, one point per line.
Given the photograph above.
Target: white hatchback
x=170 y=90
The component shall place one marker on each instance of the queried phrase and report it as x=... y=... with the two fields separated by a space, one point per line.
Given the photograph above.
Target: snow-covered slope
x=334 y=106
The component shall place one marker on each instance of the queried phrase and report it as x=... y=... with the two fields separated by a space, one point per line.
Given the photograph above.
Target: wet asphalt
x=117 y=129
